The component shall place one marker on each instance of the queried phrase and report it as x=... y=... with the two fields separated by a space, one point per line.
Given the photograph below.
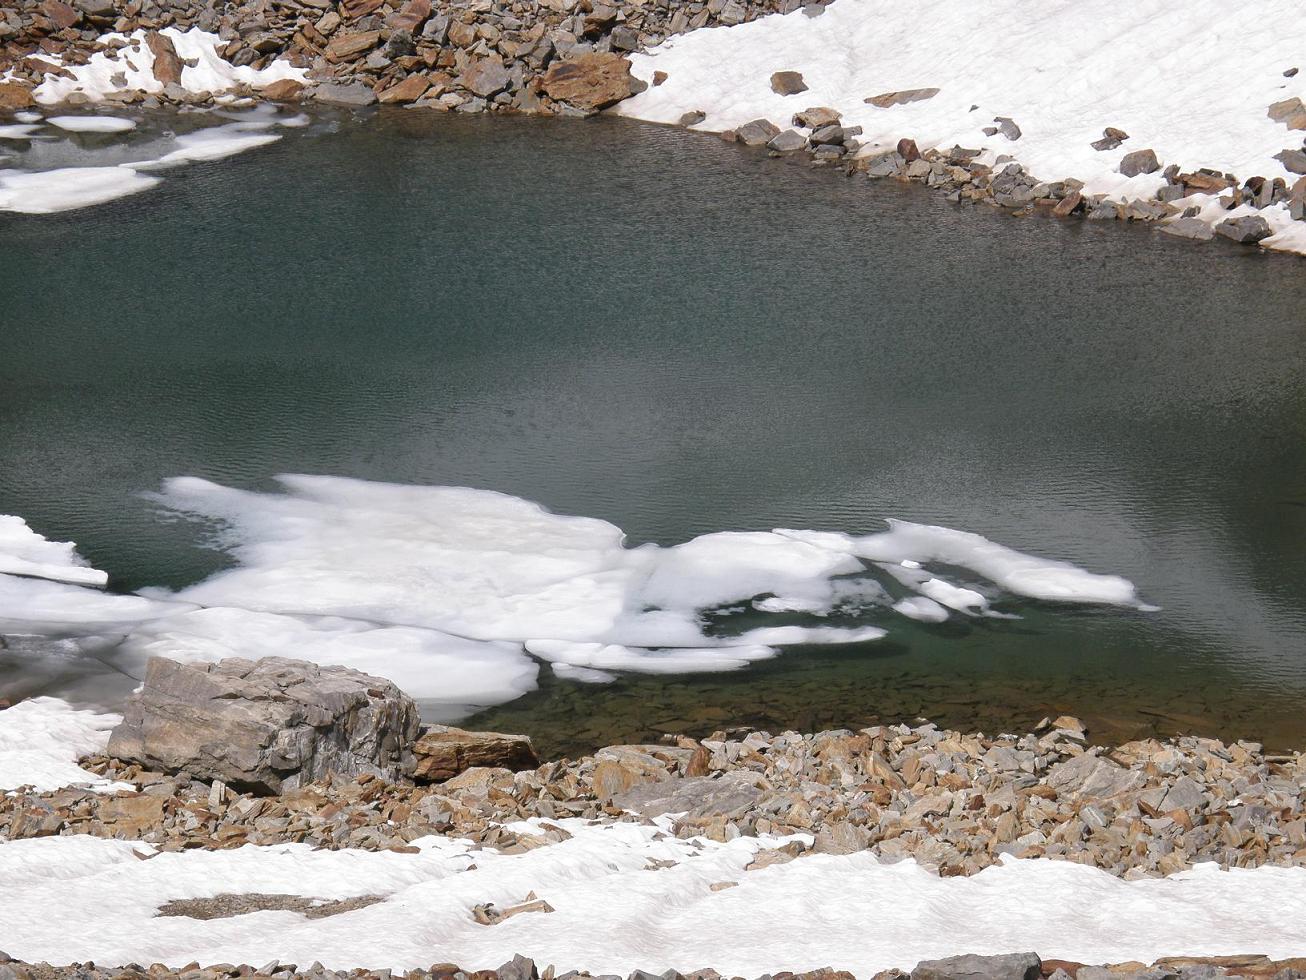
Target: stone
x=443 y=752
x=410 y=89
x=132 y=816
x=692 y=118
x=757 y=133
x=1294 y=161
x=1194 y=229
x=344 y=93
x=696 y=796
x=590 y=81
x=816 y=117
x=908 y=151
x=1290 y=112
x=167 y=66
x=486 y=77
x=1139 y=162
x=1205 y=183
x=829 y=135
x=1069 y=204
x=411 y=16
x=787 y=83
x=886 y=100
x=60 y=13
x=15 y=95
x=1247 y=230
x=346 y=47
x=1007 y=127
x=1111 y=138
x=788 y=141
x=267 y=726
x=1011 y=966
x=283 y=90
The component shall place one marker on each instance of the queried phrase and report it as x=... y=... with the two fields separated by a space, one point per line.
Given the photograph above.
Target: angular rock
x=344 y=93
x=410 y=89
x=757 y=133
x=887 y=100
x=590 y=81
x=788 y=141
x=15 y=95
x=283 y=90
x=1246 y=230
x=816 y=117
x=269 y=725
x=1011 y=966
x=443 y=752
x=1294 y=161
x=411 y=16
x=167 y=66
x=1139 y=162
x=60 y=13
x=345 y=47
x=1290 y=112
x=787 y=83
x=486 y=77
x=697 y=796
x=692 y=118
x=908 y=150
x=1069 y=204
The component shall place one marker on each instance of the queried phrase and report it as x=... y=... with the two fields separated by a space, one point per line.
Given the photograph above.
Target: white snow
x=214 y=143
x=24 y=552
x=131 y=57
x=1063 y=71
x=18 y=131
x=457 y=594
x=613 y=913
x=40 y=742
x=67 y=188
x=92 y=124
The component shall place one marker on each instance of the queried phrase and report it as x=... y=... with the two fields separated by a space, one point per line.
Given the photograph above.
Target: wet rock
x=1139 y=162
x=1246 y=230
x=757 y=133
x=1194 y=229
x=886 y=100
x=788 y=141
x=1013 y=966
x=269 y=725
x=443 y=752
x=345 y=93
x=787 y=83
x=590 y=81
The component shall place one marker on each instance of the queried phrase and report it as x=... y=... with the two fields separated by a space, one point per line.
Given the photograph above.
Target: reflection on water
x=679 y=336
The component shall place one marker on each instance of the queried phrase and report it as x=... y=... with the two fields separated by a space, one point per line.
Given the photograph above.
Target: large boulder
x=15 y=95
x=167 y=65
x=1246 y=230
x=1011 y=966
x=269 y=725
x=443 y=752
x=591 y=81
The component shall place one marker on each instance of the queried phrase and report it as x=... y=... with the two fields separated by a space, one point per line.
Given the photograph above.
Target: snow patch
x=41 y=741
x=92 y=124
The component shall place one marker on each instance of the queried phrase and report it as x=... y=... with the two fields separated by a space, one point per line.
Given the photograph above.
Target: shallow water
x=680 y=336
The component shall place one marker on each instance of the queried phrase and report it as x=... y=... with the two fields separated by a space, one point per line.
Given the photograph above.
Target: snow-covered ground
x=458 y=594
x=1194 y=86
x=615 y=911
x=41 y=741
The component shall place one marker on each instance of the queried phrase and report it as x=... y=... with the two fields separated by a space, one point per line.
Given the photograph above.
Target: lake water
x=681 y=336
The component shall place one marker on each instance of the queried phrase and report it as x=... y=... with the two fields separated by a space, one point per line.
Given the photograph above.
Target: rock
x=411 y=16
x=267 y=725
x=344 y=93
x=590 y=81
x=346 y=47
x=787 y=83
x=1069 y=204
x=816 y=117
x=788 y=141
x=1203 y=182
x=758 y=132
x=889 y=99
x=1139 y=162
x=486 y=77
x=692 y=118
x=1007 y=127
x=283 y=90
x=1246 y=230
x=830 y=135
x=908 y=151
x=1290 y=112
x=410 y=89
x=60 y=13
x=443 y=752
x=1111 y=138
x=1194 y=229
x=1012 y=966
x=131 y=816
x=697 y=796
x=167 y=66
x=1294 y=161
x=15 y=95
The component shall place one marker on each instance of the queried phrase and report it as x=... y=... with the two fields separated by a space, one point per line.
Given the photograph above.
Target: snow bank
x=613 y=912
x=457 y=594
x=40 y=743
x=1062 y=71
x=130 y=59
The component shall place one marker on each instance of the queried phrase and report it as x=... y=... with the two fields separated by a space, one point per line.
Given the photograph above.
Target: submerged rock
x=269 y=725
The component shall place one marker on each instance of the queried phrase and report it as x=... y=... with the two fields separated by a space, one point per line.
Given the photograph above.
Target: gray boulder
x=266 y=726
x=788 y=141
x=1139 y=162
x=1193 y=228
x=1247 y=230
x=758 y=132
x=344 y=93
x=1293 y=161
x=1011 y=966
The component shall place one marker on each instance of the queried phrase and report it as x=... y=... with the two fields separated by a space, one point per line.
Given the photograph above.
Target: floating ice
x=92 y=124
x=48 y=191
x=616 y=910
x=22 y=131
x=40 y=607
x=41 y=740
x=24 y=552
x=214 y=143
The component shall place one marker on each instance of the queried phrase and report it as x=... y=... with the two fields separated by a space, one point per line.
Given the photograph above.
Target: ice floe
x=24 y=552
x=615 y=910
x=1062 y=75
x=41 y=740
x=92 y=124
x=458 y=594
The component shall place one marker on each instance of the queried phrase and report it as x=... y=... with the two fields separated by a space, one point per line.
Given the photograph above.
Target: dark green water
x=681 y=336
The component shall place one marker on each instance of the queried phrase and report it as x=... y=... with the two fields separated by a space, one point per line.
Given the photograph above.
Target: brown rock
x=1204 y=183
x=787 y=83
x=284 y=90
x=888 y=99
x=411 y=16
x=590 y=81
x=132 y=816
x=15 y=95
x=816 y=117
x=410 y=89
x=61 y=13
x=167 y=66
x=1069 y=204
x=346 y=46
x=907 y=150
x=1290 y=112
x=444 y=752
x=658 y=78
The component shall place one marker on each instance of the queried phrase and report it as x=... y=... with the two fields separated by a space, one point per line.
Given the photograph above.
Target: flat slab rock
x=443 y=752
x=1011 y=966
x=267 y=726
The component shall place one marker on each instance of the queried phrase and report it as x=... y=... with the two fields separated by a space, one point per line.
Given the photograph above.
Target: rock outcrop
x=443 y=752
x=267 y=726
